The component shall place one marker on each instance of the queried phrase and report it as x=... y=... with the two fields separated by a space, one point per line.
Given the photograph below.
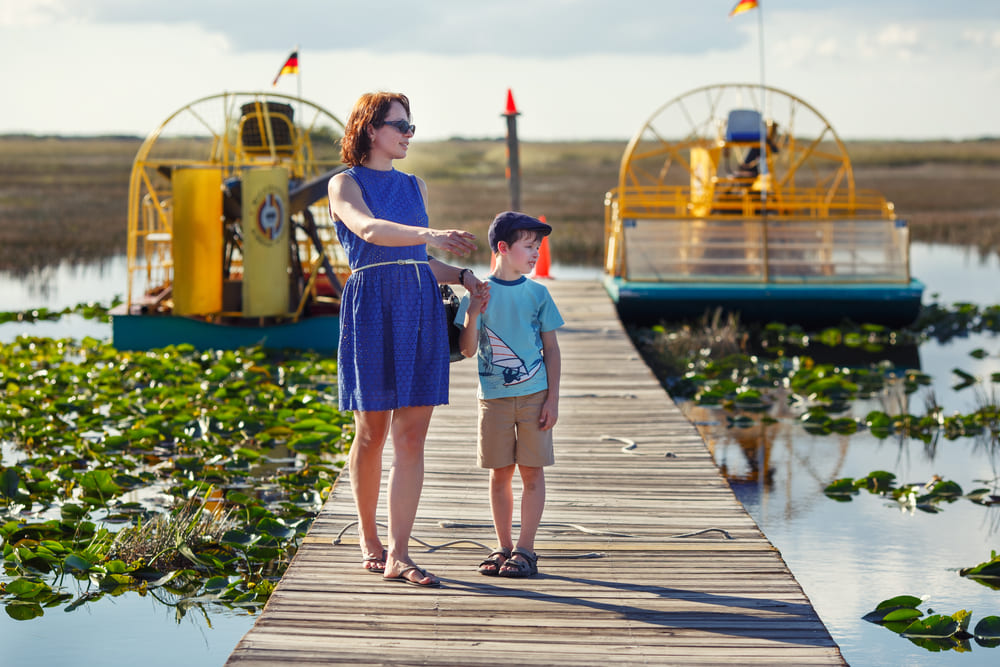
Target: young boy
x=519 y=366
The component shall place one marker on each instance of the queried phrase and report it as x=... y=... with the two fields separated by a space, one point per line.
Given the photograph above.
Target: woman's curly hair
x=371 y=108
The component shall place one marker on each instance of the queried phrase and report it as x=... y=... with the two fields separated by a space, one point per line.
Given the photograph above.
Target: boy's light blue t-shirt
x=510 y=337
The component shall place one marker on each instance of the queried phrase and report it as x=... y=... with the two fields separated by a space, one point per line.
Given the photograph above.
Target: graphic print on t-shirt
x=499 y=357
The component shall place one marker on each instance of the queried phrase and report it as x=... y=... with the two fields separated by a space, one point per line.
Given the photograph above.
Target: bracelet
x=461 y=277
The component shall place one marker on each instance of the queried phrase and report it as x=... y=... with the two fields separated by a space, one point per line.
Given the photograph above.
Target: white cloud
x=896 y=35
x=91 y=71
x=29 y=12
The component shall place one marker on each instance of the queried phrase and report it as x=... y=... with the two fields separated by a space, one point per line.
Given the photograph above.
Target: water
x=847 y=556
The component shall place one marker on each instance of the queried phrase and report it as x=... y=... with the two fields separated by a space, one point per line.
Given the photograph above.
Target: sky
x=578 y=69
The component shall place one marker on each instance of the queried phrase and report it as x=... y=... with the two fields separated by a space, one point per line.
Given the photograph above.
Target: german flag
x=291 y=66
x=743 y=6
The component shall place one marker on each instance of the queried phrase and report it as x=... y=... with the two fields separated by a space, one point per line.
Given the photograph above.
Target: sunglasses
x=402 y=125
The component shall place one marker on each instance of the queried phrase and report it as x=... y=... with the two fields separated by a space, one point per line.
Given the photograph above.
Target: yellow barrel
x=197 y=241
x=265 y=242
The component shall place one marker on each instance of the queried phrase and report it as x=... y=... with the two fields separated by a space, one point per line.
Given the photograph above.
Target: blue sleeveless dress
x=393 y=341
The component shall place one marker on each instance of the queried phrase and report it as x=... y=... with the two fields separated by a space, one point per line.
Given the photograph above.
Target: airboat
x=742 y=198
x=230 y=241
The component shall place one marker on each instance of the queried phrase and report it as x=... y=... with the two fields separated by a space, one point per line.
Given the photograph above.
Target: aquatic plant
x=232 y=453
x=744 y=372
x=88 y=311
x=927 y=496
x=934 y=632
x=987 y=573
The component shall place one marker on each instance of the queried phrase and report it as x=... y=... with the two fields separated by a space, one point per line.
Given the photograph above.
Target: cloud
x=28 y=13
x=512 y=28
x=579 y=68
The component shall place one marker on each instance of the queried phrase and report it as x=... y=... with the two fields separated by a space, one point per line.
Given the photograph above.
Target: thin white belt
x=414 y=262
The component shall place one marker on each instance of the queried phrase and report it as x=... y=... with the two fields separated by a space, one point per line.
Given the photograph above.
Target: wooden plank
x=627 y=577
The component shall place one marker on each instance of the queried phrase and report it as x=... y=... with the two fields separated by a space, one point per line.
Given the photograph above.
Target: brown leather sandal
x=525 y=566
x=491 y=564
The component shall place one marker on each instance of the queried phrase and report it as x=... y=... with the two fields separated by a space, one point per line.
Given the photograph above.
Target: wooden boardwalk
x=620 y=584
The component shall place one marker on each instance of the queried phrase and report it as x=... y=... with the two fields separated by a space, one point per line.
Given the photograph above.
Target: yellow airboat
x=230 y=241
x=698 y=221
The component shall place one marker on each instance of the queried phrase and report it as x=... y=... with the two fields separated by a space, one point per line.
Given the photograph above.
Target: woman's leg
x=365 y=465
x=406 y=478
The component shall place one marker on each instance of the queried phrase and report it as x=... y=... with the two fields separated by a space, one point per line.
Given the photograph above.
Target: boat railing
x=153 y=268
x=652 y=236
x=149 y=250
x=740 y=198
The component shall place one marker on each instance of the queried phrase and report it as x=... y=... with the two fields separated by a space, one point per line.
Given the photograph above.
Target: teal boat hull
x=320 y=333
x=893 y=305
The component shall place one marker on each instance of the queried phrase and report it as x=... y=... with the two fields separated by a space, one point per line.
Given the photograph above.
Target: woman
x=393 y=356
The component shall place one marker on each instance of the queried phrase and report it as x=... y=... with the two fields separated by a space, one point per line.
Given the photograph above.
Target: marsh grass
x=668 y=351
x=168 y=541
x=64 y=199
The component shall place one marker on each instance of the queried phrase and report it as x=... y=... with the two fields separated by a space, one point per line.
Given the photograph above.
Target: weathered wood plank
x=619 y=583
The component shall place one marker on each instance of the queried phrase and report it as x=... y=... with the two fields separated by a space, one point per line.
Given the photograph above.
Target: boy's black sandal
x=491 y=564
x=525 y=566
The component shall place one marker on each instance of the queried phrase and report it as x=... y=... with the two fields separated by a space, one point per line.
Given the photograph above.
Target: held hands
x=479 y=294
x=455 y=241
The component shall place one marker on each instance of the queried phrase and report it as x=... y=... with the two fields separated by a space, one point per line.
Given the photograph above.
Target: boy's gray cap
x=510 y=221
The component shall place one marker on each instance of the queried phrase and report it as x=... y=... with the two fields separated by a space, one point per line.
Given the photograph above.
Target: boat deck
x=646 y=555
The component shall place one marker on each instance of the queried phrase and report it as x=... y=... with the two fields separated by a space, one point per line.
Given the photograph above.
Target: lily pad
x=987 y=631
x=906 y=605
x=935 y=626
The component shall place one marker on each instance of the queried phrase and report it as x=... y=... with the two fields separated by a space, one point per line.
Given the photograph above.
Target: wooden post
x=513 y=159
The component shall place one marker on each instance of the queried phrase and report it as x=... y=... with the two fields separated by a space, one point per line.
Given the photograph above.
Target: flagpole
x=298 y=78
x=763 y=123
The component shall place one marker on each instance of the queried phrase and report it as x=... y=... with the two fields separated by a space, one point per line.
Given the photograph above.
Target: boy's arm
x=468 y=339
x=553 y=369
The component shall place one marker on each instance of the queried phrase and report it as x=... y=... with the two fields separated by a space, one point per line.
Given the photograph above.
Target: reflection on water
x=951 y=273
x=848 y=556
x=956 y=273
x=63 y=285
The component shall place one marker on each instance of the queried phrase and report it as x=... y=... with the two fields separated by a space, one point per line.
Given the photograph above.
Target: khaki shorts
x=509 y=433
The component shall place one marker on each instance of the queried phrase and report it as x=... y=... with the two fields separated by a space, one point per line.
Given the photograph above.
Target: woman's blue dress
x=393 y=341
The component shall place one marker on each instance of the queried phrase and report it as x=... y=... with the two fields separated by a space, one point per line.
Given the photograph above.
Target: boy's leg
x=532 y=504
x=497 y=439
x=523 y=561
x=502 y=504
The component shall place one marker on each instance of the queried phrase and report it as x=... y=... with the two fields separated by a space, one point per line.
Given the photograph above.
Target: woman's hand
x=455 y=241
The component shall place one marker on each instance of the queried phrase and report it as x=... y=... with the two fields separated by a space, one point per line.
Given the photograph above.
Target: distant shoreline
x=64 y=198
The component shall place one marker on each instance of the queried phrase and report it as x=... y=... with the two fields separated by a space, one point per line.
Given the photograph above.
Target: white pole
x=762 y=162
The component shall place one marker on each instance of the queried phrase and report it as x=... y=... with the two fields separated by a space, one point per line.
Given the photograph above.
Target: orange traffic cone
x=544 y=259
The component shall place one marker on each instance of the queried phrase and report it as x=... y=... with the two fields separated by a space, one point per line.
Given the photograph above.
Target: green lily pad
x=935 y=626
x=841 y=487
x=25 y=589
x=905 y=605
x=24 y=611
x=987 y=631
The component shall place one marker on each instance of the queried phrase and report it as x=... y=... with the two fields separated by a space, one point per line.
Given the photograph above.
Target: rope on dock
x=592 y=554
